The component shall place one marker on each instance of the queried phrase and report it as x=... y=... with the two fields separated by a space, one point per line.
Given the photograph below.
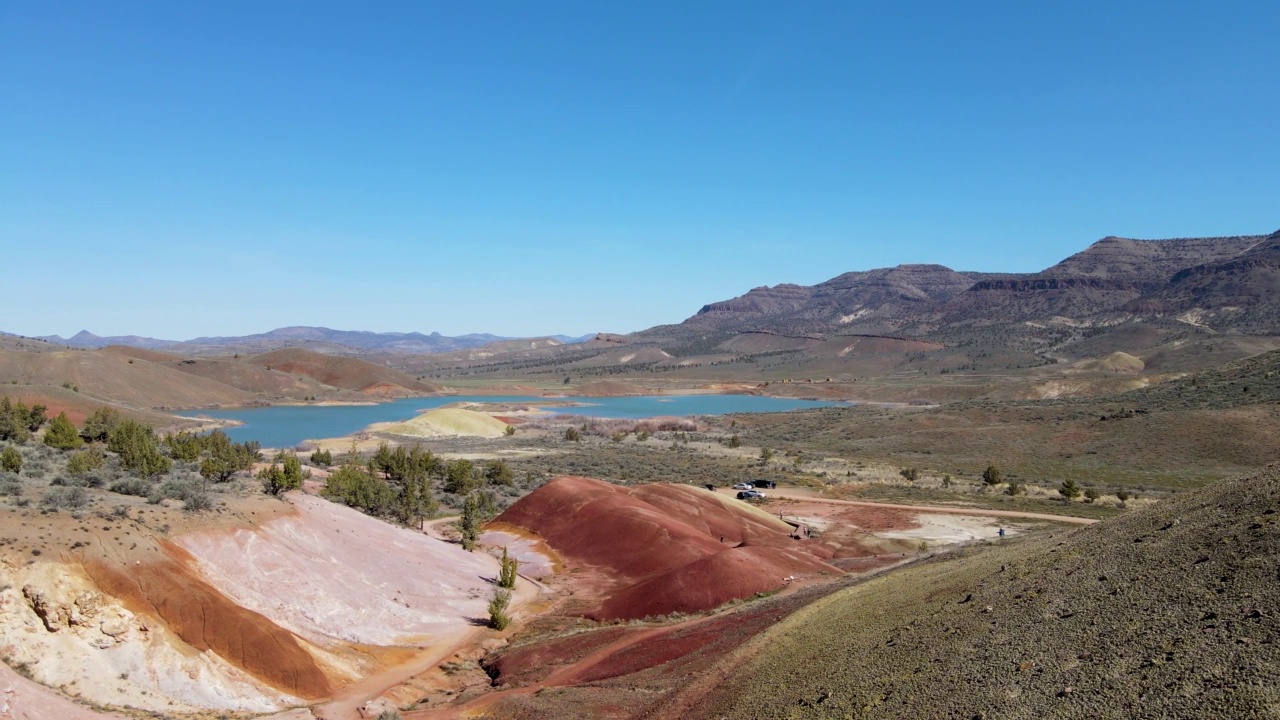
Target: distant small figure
x=1001 y=532
x=721 y=538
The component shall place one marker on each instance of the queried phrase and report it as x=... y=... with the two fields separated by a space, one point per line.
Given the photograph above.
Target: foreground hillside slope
x=1171 y=611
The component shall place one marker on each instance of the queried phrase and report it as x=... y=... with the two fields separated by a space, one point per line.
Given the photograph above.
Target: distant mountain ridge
x=319 y=339
x=1228 y=282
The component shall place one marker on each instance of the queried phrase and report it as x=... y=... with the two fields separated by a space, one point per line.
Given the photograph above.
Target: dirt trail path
x=346 y=705
x=948 y=509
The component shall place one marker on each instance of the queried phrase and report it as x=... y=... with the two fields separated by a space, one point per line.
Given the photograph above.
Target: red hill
x=664 y=541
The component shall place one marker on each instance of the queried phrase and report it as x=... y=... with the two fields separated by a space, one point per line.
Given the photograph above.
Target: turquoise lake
x=287 y=426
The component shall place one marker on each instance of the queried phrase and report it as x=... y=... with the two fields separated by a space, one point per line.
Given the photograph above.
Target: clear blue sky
x=178 y=169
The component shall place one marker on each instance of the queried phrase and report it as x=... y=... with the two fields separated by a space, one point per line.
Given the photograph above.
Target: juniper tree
x=62 y=434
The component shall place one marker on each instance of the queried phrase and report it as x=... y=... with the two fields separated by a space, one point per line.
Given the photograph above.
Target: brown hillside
x=138 y=353
x=110 y=376
x=259 y=380
x=664 y=542
x=344 y=372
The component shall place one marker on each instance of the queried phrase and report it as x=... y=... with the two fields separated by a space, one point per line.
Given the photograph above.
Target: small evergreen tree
x=734 y=441
x=460 y=477
x=1091 y=494
x=507 y=575
x=184 y=445
x=138 y=448
x=910 y=474
x=572 y=435
x=498 y=617
x=84 y=461
x=98 y=426
x=321 y=458
x=991 y=476
x=11 y=460
x=285 y=474
x=469 y=525
x=1069 y=489
x=62 y=434
x=497 y=472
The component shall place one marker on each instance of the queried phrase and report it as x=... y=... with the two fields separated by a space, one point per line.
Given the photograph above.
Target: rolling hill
x=344 y=372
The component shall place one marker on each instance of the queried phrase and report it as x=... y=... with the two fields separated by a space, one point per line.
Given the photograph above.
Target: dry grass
x=1166 y=612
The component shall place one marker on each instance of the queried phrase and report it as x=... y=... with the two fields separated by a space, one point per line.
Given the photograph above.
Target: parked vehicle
x=751 y=495
x=764 y=484
x=744 y=486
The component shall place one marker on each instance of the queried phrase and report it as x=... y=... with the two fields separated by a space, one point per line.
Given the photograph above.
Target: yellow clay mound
x=451 y=421
x=1115 y=362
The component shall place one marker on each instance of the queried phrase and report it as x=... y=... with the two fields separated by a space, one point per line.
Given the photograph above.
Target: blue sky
x=183 y=169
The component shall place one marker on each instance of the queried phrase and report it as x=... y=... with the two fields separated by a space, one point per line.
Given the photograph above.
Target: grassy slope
x=1039 y=443
x=131 y=381
x=1171 y=611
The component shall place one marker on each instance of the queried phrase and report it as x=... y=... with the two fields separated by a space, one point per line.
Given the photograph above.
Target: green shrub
x=284 y=474
x=11 y=460
x=61 y=434
x=1069 y=489
x=132 y=486
x=321 y=458
x=85 y=461
x=507 y=575
x=498 y=617
x=991 y=476
x=572 y=435
x=65 y=497
x=198 y=501
x=138 y=448
x=98 y=426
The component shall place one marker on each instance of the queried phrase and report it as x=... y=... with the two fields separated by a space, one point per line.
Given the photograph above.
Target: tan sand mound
x=450 y=422
x=667 y=538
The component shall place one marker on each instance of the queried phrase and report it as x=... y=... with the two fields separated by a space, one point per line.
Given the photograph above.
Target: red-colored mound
x=601 y=524
x=712 y=581
x=666 y=540
x=714 y=515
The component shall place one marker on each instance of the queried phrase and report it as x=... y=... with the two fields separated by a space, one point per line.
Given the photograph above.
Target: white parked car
x=744 y=486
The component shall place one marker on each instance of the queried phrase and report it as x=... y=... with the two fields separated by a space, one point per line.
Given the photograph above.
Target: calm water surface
x=287 y=426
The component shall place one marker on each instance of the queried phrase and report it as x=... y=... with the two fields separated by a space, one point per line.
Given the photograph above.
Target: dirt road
x=949 y=509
